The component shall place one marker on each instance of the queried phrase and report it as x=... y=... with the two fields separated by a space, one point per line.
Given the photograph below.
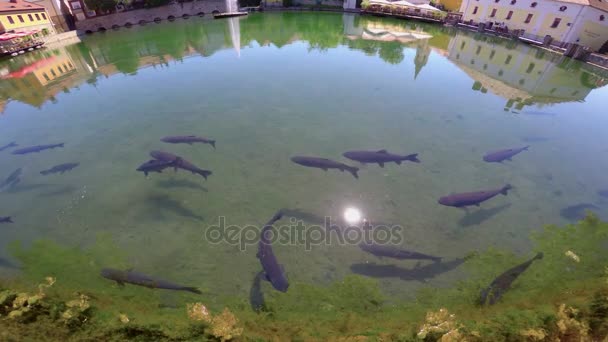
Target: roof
x=9 y=36
x=18 y=5
x=599 y=4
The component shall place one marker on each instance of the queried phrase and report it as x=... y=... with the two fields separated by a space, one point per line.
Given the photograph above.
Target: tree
x=101 y=5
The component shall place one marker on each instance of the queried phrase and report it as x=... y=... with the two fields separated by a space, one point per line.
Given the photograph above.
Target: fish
x=140 y=279
x=324 y=164
x=395 y=253
x=577 y=212
x=472 y=198
x=380 y=157
x=11 y=179
x=418 y=273
x=180 y=163
x=503 y=282
x=12 y=144
x=187 y=139
x=256 y=296
x=36 y=148
x=502 y=155
x=155 y=165
x=6 y=219
x=61 y=168
x=273 y=271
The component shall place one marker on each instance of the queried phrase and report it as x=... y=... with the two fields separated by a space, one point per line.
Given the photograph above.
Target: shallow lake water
x=270 y=86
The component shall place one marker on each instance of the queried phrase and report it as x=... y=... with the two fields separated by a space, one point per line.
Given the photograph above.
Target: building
x=57 y=11
x=584 y=22
x=522 y=76
x=18 y=15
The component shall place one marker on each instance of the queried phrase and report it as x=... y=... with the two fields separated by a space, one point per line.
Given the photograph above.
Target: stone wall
x=149 y=15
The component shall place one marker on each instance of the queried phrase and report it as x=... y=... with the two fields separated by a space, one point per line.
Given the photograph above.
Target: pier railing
x=405 y=12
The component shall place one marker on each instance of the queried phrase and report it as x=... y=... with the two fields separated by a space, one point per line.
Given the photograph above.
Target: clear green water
x=270 y=86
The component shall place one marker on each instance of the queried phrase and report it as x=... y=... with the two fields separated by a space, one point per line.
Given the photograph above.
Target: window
x=10 y=19
x=29 y=16
x=485 y=67
x=530 y=68
x=508 y=60
x=37 y=16
x=533 y=4
x=75 y=5
x=493 y=14
x=43 y=16
x=496 y=1
x=472 y=61
x=602 y=17
x=492 y=54
x=475 y=10
x=521 y=82
x=552 y=90
x=457 y=56
x=500 y=72
x=462 y=45
x=556 y=23
x=528 y=18
x=20 y=18
x=59 y=68
x=509 y=15
x=478 y=50
x=513 y=2
x=53 y=73
x=563 y=8
x=46 y=77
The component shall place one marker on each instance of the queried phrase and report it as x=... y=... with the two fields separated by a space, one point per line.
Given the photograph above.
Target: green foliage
x=365 y=4
x=287 y=3
x=156 y=3
x=101 y=5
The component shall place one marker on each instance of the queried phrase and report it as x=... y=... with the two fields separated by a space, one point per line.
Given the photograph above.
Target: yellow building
x=18 y=15
x=584 y=22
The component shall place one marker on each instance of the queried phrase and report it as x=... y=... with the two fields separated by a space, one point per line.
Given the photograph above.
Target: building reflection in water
x=520 y=74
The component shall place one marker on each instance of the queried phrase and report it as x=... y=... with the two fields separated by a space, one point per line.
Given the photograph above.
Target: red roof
x=18 y=5
x=9 y=36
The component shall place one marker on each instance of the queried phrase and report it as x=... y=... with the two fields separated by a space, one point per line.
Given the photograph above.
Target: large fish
x=37 y=148
x=61 y=168
x=395 y=253
x=503 y=282
x=6 y=219
x=324 y=164
x=380 y=157
x=502 y=155
x=136 y=278
x=12 y=144
x=188 y=139
x=472 y=198
x=418 y=273
x=180 y=163
x=11 y=180
x=274 y=272
x=155 y=165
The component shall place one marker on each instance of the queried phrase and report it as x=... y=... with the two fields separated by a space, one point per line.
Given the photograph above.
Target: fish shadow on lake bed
x=578 y=212
x=180 y=183
x=479 y=216
x=421 y=273
x=165 y=203
x=26 y=187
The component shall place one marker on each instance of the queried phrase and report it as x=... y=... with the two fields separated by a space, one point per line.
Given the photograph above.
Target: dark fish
x=37 y=148
x=155 y=165
x=135 y=278
x=503 y=282
x=379 y=157
x=502 y=155
x=273 y=271
x=61 y=168
x=12 y=144
x=472 y=198
x=11 y=179
x=480 y=216
x=603 y=193
x=422 y=273
x=6 y=219
x=324 y=164
x=395 y=253
x=577 y=212
x=180 y=163
x=188 y=139
x=256 y=296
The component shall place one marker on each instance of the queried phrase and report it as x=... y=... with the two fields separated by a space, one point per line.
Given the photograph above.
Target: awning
x=9 y=36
